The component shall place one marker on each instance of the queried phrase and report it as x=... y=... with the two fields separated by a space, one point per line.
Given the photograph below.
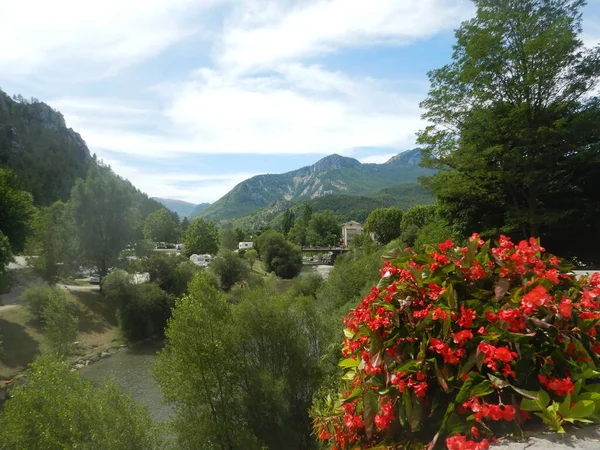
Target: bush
x=145 y=312
x=36 y=297
x=229 y=268
x=171 y=272
x=60 y=325
x=470 y=341
x=279 y=255
x=307 y=285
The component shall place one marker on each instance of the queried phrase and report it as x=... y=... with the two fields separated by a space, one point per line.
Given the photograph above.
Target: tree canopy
x=201 y=237
x=515 y=128
x=16 y=210
x=279 y=255
x=385 y=223
x=161 y=226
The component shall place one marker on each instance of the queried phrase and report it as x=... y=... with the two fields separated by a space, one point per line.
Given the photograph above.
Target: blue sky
x=186 y=98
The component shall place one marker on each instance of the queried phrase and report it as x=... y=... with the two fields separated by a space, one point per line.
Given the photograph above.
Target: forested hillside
x=331 y=175
x=345 y=207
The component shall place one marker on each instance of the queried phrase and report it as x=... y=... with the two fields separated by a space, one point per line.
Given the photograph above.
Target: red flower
x=439 y=313
x=445 y=246
x=490 y=316
x=508 y=315
x=560 y=386
x=538 y=296
x=460 y=442
x=507 y=371
x=462 y=337
x=385 y=416
x=564 y=307
x=467 y=315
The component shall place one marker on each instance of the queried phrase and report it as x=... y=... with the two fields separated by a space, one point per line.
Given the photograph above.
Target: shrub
x=279 y=255
x=460 y=344
x=308 y=284
x=145 y=312
x=229 y=268
x=36 y=297
x=60 y=325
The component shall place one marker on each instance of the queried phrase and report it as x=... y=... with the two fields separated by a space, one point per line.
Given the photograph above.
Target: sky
x=187 y=98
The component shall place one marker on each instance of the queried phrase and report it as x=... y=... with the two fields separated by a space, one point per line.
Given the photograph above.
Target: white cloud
x=377 y=159
x=310 y=28
x=79 y=39
x=157 y=183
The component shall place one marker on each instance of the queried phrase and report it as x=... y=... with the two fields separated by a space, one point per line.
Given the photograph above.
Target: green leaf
x=463 y=394
x=349 y=363
x=532 y=395
x=441 y=379
x=565 y=406
x=499 y=382
x=482 y=389
x=529 y=405
x=581 y=409
x=355 y=393
x=415 y=417
x=348 y=333
x=467 y=365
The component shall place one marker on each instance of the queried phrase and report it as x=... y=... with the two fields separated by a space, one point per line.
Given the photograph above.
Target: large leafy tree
x=385 y=223
x=514 y=127
x=104 y=217
x=16 y=210
x=53 y=241
x=323 y=229
x=57 y=409
x=201 y=237
x=161 y=226
x=279 y=255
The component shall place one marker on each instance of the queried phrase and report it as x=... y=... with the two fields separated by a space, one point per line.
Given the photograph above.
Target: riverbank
x=23 y=337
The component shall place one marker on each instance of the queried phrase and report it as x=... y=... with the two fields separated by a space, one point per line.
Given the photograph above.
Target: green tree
x=240 y=234
x=251 y=256
x=413 y=220
x=52 y=242
x=385 y=223
x=104 y=217
x=229 y=269
x=16 y=210
x=36 y=297
x=57 y=409
x=515 y=126
x=172 y=273
x=228 y=238
x=60 y=326
x=279 y=255
x=197 y=371
x=288 y=221
x=201 y=237
x=323 y=229
x=161 y=226
x=185 y=224
x=6 y=257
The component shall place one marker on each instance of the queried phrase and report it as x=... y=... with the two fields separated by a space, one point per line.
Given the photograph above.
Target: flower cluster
x=456 y=345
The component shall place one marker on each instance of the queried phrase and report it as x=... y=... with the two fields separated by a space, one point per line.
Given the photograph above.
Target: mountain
x=345 y=207
x=48 y=157
x=36 y=144
x=183 y=209
x=198 y=209
x=331 y=175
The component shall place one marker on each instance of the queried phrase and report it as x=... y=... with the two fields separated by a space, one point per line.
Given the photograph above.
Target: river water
x=131 y=370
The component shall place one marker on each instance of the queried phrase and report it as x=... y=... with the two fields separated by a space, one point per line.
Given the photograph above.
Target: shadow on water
x=19 y=348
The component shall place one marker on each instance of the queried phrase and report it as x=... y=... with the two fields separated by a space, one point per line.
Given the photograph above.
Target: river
x=131 y=370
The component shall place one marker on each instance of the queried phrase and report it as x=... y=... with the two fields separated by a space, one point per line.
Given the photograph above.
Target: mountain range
x=332 y=175
x=183 y=209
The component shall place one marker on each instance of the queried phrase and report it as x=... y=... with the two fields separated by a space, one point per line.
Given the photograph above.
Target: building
x=245 y=245
x=349 y=231
x=201 y=260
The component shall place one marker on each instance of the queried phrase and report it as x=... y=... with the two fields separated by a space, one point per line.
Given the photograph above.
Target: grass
x=23 y=335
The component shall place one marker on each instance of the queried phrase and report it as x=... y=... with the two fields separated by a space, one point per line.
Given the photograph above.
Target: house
x=201 y=260
x=245 y=245
x=349 y=231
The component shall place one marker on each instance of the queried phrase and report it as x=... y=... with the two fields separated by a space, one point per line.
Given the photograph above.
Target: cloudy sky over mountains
x=186 y=98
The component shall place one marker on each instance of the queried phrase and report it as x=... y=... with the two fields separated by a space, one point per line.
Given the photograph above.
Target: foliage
x=307 y=285
x=6 y=255
x=145 y=312
x=250 y=256
x=161 y=226
x=434 y=233
x=323 y=229
x=36 y=297
x=57 y=409
x=470 y=341
x=240 y=376
x=16 y=210
x=515 y=126
x=52 y=242
x=385 y=223
x=104 y=216
x=228 y=238
x=279 y=255
x=196 y=371
x=413 y=220
x=288 y=221
x=60 y=325
x=171 y=272
x=229 y=269
x=201 y=237
x=185 y=224
x=142 y=309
